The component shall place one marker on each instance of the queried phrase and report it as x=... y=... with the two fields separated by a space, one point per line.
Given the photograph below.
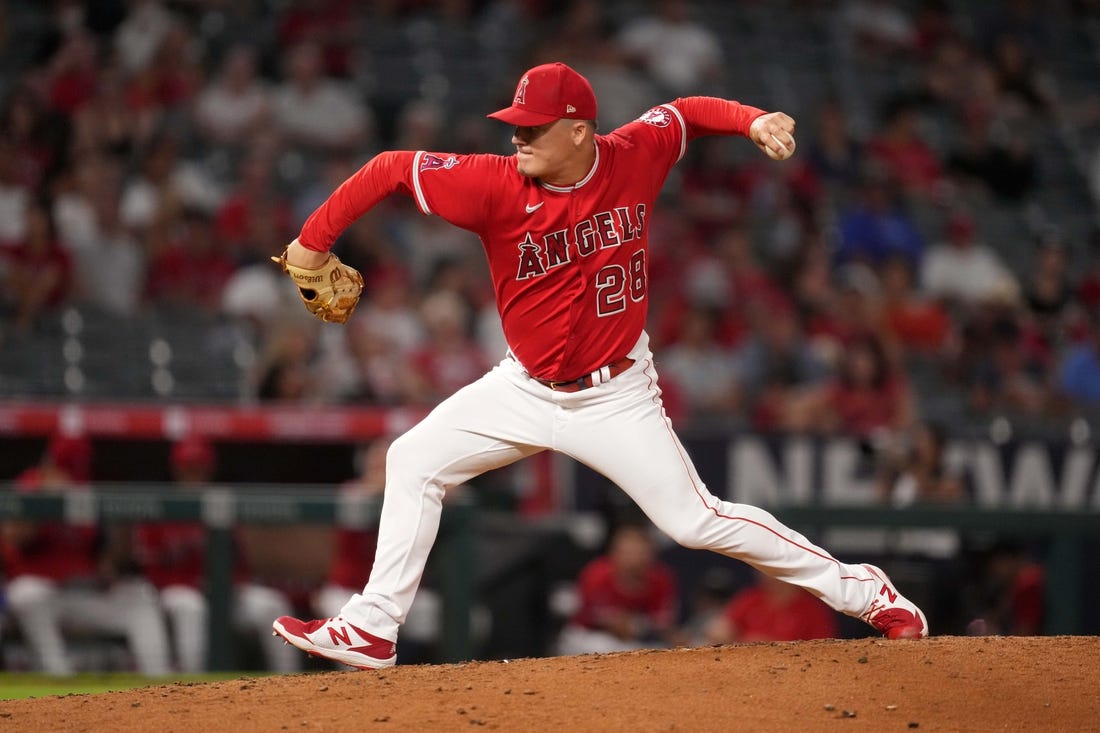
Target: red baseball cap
x=547 y=93
x=72 y=454
x=192 y=452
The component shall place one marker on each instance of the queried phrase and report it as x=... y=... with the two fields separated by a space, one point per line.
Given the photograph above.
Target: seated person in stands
x=628 y=599
x=173 y=557
x=771 y=610
x=62 y=577
x=1008 y=595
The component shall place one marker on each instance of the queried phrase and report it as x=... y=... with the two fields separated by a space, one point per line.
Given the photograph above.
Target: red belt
x=614 y=369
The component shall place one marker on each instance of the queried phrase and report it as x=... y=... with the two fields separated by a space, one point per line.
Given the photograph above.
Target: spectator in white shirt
x=964 y=269
x=681 y=55
x=138 y=37
x=231 y=107
x=315 y=111
x=15 y=197
x=108 y=260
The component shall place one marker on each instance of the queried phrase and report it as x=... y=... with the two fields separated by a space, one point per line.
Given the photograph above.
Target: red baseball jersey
x=171 y=553
x=54 y=550
x=569 y=264
x=757 y=615
x=174 y=553
x=602 y=594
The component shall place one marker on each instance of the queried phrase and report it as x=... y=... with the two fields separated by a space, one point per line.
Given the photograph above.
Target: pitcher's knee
x=409 y=465
x=683 y=535
x=406 y=457
x=700 y=533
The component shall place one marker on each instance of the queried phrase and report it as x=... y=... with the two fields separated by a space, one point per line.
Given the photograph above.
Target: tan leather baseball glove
x=329 y=292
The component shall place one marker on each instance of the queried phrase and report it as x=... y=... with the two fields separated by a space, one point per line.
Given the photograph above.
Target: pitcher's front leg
x=486 y=425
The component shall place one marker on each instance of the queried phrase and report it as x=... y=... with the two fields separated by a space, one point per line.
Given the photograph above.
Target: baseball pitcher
x=564 y=222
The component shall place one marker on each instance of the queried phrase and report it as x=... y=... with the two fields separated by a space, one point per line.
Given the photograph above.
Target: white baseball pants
x=253 y=608
x=43 y=610
x=617 y=428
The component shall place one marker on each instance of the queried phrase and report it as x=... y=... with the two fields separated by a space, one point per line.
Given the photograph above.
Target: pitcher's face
x=547 y=151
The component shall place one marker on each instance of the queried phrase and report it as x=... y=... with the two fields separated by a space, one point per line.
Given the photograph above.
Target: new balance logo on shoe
x=894 y=615
x=334 y=638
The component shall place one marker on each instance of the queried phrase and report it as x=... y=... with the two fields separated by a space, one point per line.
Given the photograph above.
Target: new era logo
x=570 y=109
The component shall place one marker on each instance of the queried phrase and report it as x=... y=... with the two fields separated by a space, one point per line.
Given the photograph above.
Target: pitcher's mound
x=942 y=683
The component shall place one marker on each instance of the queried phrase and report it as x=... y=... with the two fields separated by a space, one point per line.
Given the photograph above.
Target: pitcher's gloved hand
x=329 y=292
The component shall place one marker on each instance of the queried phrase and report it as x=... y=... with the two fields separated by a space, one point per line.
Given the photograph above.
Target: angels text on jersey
x=601 y=230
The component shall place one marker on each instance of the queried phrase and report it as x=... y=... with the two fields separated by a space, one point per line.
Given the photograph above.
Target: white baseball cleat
x=337 y=640
x=892 y=613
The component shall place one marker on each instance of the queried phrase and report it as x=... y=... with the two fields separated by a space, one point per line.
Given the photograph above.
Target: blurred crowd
x=156 y=154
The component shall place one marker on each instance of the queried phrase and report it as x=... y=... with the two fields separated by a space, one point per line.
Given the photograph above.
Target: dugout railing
x=221 y=509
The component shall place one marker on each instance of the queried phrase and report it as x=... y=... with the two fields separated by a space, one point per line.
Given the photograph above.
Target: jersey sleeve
x=713 y=116
x=665 y=130
x=455 y=187
x=660 y=135
x=382 y=175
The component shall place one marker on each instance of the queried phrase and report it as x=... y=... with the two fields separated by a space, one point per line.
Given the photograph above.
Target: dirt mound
x=943 y=683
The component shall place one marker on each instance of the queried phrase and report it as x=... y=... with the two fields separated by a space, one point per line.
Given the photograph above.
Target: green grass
x=16 y=685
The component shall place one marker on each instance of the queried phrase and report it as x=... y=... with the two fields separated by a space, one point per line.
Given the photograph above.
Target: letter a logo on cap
x=547 y=93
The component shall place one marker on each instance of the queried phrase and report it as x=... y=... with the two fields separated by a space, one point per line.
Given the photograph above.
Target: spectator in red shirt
x=192 y=270
x=173 y=76
x=254 y=214
x=333 y=24
x=904 y=153
x=37 y=274
x=627 y=599
x=62 y=577
x=1088 y=290
x=771 y=610
x=450 y=358
x=916 y=323
x=74 y=73
x=35 y=136
x=1008 y=599
x=868 y=398
x=173 y=557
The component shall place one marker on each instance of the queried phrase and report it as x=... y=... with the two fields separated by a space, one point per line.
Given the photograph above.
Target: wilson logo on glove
x=333 y=288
